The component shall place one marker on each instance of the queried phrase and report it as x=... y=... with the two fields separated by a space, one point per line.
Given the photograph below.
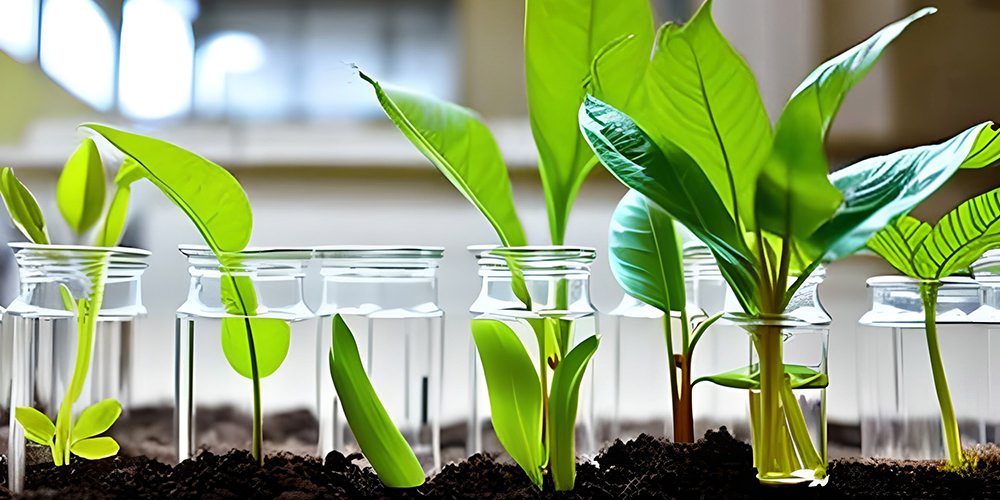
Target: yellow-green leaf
x=271 y=338
x=96 y=419
x=95 y=448
x=23 y=208
x=37 y=427
x=563 y=404
x=80 y=190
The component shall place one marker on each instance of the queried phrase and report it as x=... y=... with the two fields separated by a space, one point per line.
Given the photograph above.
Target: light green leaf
x=880 y=189
x=455 y=140
x=80 y=190
x=208 y=194
x=960 y=237
x=37 y=427
x=380 y=441
x=95 y=448
x=748 y=377
x=667 y=176
x=563 y=401
x=23 y=208
x=704 y=98
x=96 y=419
x=645 y=253
x=561 y=40
x=67 y=298
x=986 y=149
x=898 y=242
x=114 y=221
x=515 y=394
x=270 y=337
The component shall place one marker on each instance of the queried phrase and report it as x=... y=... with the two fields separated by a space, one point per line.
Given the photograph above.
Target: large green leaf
x=563 y=400
x=667 y=176
x=515 y=394
x=561 y=39
x=795 y=196
x=880 y=189
x=23 y=208
x=455 y=140
x=96 y=419
x=208 y=194
x=645 y=253
x=381 y=442
x=961 y=237
x=703 y=97
x=80 y=190
x=748 y=377
x=898 y=242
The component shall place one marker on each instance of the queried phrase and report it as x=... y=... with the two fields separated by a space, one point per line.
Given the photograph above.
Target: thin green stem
x=258 y=433
x=671 y=364
x=928 y=295
x=769 y=350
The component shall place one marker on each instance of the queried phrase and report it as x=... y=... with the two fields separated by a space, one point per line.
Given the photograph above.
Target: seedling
x=761 y=199
x=930 y=254
x=591 y=47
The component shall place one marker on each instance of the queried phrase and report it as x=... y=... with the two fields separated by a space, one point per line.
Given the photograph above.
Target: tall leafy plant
x=929 y=254
x=571 y=48
x=761 y=198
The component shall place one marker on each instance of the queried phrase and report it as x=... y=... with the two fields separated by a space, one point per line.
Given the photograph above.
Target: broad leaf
x=455 y=140
x=561 y=40
x=563 y=401
x=515 y=394
x=645 y=253
x=208 y=194
x=95 y=448
x=96 y=419
x=270 y=337
x=704 y=98
x=898 y=242
x=380 y=441
x=80 y=190
x=37 y=427
x=880 y=189
x=748 y=377
x=667 y=176
x=961 y=237
x=23 y=208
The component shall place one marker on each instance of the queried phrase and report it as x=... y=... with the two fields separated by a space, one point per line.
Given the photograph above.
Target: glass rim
x=271 y=253
x=784 y=320
x=338 y=252
x=121 y=251
x=539 y=252
x=950 y=282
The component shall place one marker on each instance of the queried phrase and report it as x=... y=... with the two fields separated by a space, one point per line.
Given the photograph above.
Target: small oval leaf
x=95 y=448
x=37 y=427
x=23 y=208
x=271 y=338
x=96 y=419
x=81 y=186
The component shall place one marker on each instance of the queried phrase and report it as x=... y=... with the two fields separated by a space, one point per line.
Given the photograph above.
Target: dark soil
x=717 y=466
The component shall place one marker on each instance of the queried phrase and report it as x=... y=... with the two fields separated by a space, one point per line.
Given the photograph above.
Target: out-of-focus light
x=18 y=25
x=227 y=53
x=78 y=50
x=154 y=73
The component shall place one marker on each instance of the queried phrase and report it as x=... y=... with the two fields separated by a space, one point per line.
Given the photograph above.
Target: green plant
x=571 y=49
x=761 y=199
x=380 y=441
x=645 y=253
x=930 y=254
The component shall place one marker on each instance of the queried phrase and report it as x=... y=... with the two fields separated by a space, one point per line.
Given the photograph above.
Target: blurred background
x=268 y=89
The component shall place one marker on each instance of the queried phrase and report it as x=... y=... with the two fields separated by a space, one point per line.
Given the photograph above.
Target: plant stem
x=928 y=295
x=672 y=368
x=768 y=342
x=258 y=433
x=684 y=413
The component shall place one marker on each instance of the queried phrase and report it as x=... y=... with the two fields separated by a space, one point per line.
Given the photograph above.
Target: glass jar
x=900 y=415
x=987 y=273
x=389 y=298
x=40 y=332
x=558 y=281
x=214 y=402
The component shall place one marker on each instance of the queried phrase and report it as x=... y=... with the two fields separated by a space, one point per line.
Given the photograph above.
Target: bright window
x=77 y=50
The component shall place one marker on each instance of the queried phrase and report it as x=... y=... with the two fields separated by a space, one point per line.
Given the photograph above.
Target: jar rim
x=269 y=253
x=83 y=249
x=784 y=320
x=540 y=253
x=377 y=252
x=951 y=282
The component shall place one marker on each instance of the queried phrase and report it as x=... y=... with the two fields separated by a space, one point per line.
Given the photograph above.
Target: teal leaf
x=562 y=38
x=37 y=427
x=380 y=441
x=514 y=392
x=96 y=419
x=95 y=448
x=563 y=400
x=81 y=186
x=645 y=253
x=23 y=208
x=461 y=147
x=748 y=377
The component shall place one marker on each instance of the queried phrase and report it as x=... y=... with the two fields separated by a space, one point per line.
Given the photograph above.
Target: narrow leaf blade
x=23 y=208
x=563 y=401
x=114 y=221
x=81 y=186
x=380 y=441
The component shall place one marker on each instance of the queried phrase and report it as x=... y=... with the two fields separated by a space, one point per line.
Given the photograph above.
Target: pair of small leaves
x=85 y=442
x=953 y=244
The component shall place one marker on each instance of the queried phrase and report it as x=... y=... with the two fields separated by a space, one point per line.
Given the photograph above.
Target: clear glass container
x=389 y=298
x=40 y=334
x=987 y=273
x=214 y=402
x=558 y=281
x=900 y=416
